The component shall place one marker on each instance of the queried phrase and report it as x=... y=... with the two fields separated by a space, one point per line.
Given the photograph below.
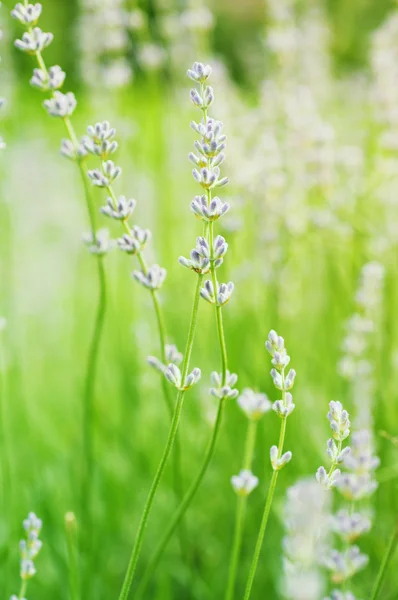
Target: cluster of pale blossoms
x=306 y=516
x=29 y=548
x=283 y=382
x=254 y=405
x=354 y=484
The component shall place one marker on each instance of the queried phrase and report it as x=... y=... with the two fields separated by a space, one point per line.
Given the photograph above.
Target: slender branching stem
x=389 y=553
x=268 y=504
x=166 y=453
x=189 y=496
x=241 y=511
x=177 y=470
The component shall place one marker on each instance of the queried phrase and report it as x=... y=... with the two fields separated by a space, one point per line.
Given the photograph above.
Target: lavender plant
x=61 y=106
x=254 y=405
x=306 y=516
x=346 y=523
x=283 y=408
x=29 y=548
x=206 y=257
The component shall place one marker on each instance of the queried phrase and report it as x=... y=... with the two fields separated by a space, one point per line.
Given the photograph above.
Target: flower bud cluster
x=359 y=482
x=345 y=564
x=340 y=425
x=29 y=547
x=174 y=376
x=172 y=355
x=275 y=346
x=244 y=483
x=306 y=520
x=202 y=255
x=98 y=243
x=254 y=404
x=224 y=389
x=101 y=143
x=33 y=42
x=220 y=296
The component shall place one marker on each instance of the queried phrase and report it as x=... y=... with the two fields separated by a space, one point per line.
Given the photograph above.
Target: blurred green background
x=311 y=205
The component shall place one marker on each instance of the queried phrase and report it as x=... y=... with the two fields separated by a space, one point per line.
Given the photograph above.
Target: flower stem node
x=209 y=211
x=101 y=132
x=135 y=241
x=105 y=178
x=283 y=383
x=244 y=483
x=278 y=462
x=172 y=356
x=223 y=295
x=27 y=15
x=34 y=41
x=327 y=480
x=284 y=408
x=223 y=389
x=120 y=210
x=199 y=72
x=153 y=279
x=60 y=105
x=209 y=178
x=333 y=452
x=343 y=565
x=200 y=257
x=253 y=404
x=100 y=243
x=174 y=376
x=339 y=421
x=53 y=79
x=69 y=151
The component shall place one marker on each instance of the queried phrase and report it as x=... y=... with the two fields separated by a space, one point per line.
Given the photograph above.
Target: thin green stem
x=7 y=480
x=169 y=445
x=189 y=496
x=23 y=588
x=177 y=470
x=240 y=512
x=267 y=507
x=71 y=542
x=389 y=553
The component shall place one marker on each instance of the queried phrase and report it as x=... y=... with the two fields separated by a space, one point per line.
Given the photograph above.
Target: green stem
x=189 y=496
x=177 y=470
x=240 y=512
x=169 y=445
x=22 y=591
x=71 y=542
x=267 y=510
x=7 y=480
x=392 y=544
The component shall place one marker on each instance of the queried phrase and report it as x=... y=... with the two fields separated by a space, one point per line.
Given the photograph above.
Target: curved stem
x=189 y=496
x=177 y=470
x=240 y=512
x=267 y=510
x=392 y=544
x=169 y=445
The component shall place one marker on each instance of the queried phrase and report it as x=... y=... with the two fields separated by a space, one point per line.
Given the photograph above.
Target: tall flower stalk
x=60 y=105
x=254 y=405
x=283 y=408
x=207 y=257
x=102 y=144
x=29 y=548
